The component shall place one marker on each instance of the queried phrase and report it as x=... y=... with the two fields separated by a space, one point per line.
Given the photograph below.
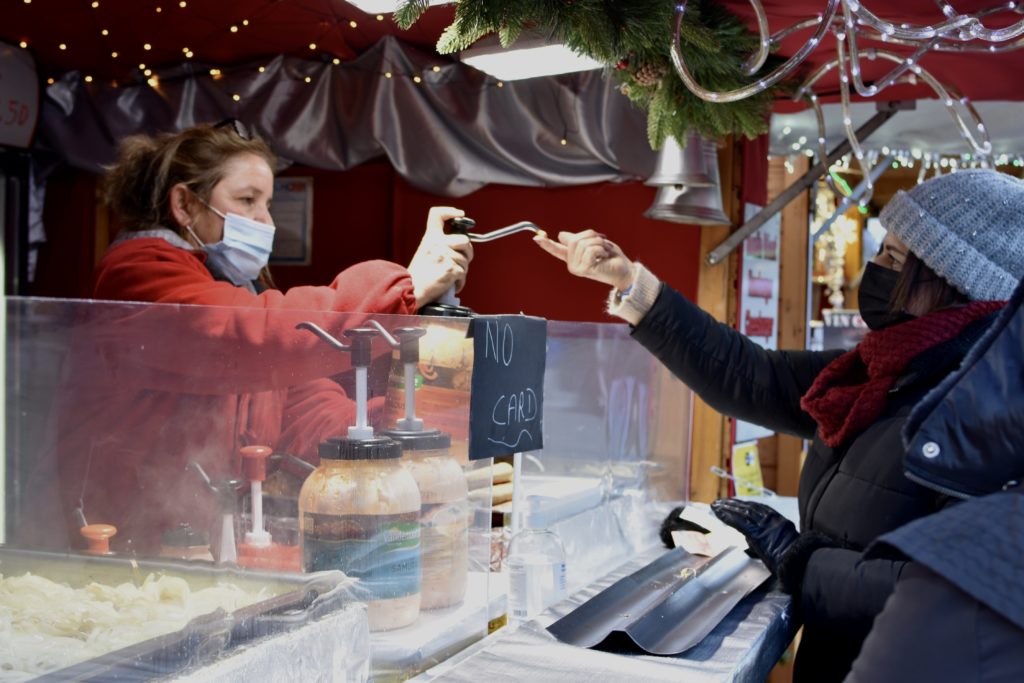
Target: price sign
x=19 y=96
x=506 y=402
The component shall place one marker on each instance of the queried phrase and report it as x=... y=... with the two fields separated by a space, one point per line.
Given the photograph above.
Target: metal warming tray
x=295 y=599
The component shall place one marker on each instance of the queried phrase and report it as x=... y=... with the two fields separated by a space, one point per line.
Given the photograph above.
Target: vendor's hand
x=768 y=533
x=591 y=255
x=442 y=260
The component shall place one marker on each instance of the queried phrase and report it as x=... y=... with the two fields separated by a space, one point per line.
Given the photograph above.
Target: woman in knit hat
x=953 y=255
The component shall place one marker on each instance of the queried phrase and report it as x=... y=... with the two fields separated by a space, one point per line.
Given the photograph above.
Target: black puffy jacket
x=958 y=612
x=853 y=494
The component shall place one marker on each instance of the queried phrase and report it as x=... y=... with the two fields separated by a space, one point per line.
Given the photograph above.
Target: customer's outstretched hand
x=591 y=255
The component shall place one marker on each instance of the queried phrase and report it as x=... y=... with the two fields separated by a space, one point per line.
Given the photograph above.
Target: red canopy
x=231 y=32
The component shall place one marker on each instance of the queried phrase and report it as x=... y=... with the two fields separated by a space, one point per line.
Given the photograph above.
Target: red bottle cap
x=98 y=536
x=254 y=462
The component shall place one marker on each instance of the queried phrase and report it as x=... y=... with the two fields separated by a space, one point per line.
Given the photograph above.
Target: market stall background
x=387 y=127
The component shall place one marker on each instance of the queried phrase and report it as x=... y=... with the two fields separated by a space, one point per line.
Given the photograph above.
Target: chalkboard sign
x=506 y=404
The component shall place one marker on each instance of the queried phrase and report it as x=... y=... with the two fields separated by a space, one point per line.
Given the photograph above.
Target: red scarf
x=849 y=394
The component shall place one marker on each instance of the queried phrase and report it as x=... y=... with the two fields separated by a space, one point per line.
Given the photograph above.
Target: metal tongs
x=463 y=226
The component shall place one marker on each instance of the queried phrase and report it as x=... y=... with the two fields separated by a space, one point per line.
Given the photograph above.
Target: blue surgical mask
x=243 y=251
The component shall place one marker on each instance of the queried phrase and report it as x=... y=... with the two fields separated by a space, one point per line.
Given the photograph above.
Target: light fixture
x=533 y=54
x=388 y=6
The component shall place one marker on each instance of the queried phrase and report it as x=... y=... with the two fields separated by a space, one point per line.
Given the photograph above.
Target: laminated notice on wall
x=746 y=470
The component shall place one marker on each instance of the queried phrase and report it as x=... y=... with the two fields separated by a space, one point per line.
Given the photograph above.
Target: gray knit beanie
x=968 y=227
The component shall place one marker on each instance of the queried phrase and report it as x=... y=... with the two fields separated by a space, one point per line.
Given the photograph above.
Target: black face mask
x=874 y=295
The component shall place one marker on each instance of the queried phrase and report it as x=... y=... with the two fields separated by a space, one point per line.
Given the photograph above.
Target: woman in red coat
x=149 y=389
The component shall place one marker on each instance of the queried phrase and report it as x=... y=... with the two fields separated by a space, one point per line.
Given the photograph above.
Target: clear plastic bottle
x=359 y=512
x=536 y=573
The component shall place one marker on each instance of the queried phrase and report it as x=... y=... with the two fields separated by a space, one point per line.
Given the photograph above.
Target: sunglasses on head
x=241 y=130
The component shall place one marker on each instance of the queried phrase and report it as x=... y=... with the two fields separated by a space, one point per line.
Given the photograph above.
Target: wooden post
x=716 y=294
x=793 y=268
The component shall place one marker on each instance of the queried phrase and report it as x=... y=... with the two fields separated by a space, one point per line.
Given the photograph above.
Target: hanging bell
x=693 y=205
x=696 y=205
x=688 y=165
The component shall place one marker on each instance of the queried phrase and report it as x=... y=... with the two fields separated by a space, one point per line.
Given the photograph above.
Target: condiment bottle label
x=382 y=551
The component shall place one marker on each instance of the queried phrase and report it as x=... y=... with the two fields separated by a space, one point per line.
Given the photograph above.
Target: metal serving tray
x=295 y=599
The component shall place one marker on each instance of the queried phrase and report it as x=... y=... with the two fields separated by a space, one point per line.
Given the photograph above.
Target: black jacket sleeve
x=845 y=592
x=729 y=372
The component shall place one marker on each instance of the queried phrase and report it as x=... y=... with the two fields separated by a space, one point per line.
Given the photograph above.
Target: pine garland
x=632 y=37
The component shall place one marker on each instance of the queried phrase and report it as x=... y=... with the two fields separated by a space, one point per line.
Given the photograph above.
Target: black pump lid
x=423 y=440
x=184 y=537
x=343 y=448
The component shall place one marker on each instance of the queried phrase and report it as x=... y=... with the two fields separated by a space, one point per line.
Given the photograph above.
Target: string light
x=182 y=4
x=147 y=46
x=501 y=84
x=88 y=79
x=353 y=24
x=234 y=29
x=153 y=81
x=435 y=68
x=23 y=44
x=380 y=17
x=49 y=81
x=563 y=142
x=245 y=22
x=63 y=46
x=262 y=69
x=308 y=79
x=850 y=21
x=95 y=4
x=312 y=46
x=159 y=10
x=387 y=74
x=417 y=79
x=336 y=61
x=236 y=97
x=148 y=72
x=104 y=32
x=114 y=55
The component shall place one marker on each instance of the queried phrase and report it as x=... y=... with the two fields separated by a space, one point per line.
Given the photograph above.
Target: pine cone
x=649 y=74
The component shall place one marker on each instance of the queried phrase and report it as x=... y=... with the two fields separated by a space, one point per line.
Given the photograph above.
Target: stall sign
x=506 y=404
x=759 y=298
x=19 y=96
x=843 y=329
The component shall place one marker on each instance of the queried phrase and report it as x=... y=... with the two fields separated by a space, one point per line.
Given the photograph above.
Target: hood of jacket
x=965 y=437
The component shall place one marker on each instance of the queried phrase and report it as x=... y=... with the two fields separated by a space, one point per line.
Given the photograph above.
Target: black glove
x=768 y=533
x=673 y=522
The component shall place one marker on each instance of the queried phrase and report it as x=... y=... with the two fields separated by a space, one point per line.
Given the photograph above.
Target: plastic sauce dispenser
x=359 y=510
x=444 y=528
x=259 y=551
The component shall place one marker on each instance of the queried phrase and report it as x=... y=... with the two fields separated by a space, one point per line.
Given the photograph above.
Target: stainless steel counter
x=744 y=646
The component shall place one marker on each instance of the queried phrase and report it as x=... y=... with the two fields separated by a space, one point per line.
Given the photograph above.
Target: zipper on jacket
x=945 y=490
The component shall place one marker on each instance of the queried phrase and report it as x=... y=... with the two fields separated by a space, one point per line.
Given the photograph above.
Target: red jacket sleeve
x=151 y=269
x=236 y=341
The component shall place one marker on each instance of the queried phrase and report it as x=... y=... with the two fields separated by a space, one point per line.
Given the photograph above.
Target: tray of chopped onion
x=73 y=617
